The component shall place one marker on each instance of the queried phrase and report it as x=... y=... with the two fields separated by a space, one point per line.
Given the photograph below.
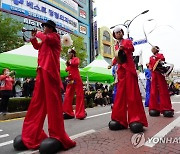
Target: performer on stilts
x=148 y=85
x=128 y=107
x=159 y=96
x=75 y=84
x=46 y=99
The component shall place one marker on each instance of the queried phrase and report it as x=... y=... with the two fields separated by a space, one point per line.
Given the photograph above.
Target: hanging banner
x=42 y=11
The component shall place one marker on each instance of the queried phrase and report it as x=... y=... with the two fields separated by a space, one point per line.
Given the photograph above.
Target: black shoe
x=50 y=146
x=168 y=113
x=114 y=125
x=18 y=143
x=154 y=113
x=136 y=127
x=83 y=117
x=67 y=116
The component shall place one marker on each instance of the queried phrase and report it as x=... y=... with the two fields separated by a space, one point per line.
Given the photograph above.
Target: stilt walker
x=46 y=99
x=128 y=107
x=159 y=96
x=75 y=84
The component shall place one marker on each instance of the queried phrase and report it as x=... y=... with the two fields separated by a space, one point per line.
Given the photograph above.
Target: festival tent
x=97 y=71
x=23 y=61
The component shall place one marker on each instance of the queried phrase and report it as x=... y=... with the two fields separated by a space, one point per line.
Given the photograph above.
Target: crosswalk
x=2 y=136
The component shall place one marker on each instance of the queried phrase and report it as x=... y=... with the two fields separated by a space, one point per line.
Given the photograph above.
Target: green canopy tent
x=97 y=71
x=23 y=61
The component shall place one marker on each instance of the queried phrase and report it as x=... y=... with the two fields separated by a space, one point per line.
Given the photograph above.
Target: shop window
x=106 y=36
x=107 y=49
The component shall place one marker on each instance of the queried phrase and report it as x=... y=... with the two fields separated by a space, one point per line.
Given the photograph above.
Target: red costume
x=159 y=95
x=75 y=85
x=128 y=106
x=46 y=96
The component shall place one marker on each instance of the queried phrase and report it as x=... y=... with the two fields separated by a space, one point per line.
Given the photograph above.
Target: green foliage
x=78 y=43
x=9 y=38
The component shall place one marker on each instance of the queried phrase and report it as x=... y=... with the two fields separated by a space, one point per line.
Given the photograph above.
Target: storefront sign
x=83 y=29
x=42 y=11
x=82 y=13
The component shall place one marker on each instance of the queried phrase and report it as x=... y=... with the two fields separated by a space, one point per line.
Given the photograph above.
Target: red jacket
x=154 y=59
x=73 y=69
x=128 y=49
x=6 y=82
x=49 y=52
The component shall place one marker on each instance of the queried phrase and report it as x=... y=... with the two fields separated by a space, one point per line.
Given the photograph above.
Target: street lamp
x=150 y=31
x=127 y=23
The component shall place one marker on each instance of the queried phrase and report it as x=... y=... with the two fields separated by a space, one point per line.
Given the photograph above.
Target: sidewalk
x=119 y=142
x=13 y=115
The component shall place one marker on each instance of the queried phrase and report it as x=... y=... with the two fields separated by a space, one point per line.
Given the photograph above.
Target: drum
x=163 y=67
x=120 y=56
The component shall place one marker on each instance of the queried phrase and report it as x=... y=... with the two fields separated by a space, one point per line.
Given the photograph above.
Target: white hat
x=117 y=29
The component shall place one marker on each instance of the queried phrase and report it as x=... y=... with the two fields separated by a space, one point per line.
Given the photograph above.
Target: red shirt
x=128 y=49
x=6 y=82
x=73 y=69
x=49 y=52
x=154 y=59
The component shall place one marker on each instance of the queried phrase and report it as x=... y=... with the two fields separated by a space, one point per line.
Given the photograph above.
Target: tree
x=9 y=38
x=80 y=49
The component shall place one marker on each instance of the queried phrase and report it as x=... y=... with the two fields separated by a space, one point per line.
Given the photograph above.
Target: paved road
x=95 y=125
x=97 y=119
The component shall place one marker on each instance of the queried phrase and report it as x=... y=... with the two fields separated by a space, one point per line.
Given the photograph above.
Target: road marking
x=6 y=143
x=97 y=115
x=72 y=137
x=1 y=130
x=29 y=152
x=175 y=102
x=82 y=134
x=4 y=135
x=177 y=112
x=164 y=131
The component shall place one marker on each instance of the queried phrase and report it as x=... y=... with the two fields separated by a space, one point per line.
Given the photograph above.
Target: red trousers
x=128 y=106
x=69 y=95
x=46 y=100
x=159 y=95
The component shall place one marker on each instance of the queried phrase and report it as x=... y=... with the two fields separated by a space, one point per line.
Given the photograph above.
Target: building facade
x=106 y=43
x=70 y=16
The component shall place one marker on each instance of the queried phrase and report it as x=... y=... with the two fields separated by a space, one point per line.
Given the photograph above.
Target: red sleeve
x=114 y=62
x=51 y=38
x=150 y=64
x=128 y=46
x=2 y=77
x=35 y=43
x=74 y=62
x=160 y=56
x=67 y=68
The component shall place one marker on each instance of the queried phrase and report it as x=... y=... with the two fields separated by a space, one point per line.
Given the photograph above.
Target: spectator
x=98 y=100
x=18 y=89
x=6 y=87
x=106 y=97
x=31 y=86
x=26 y=87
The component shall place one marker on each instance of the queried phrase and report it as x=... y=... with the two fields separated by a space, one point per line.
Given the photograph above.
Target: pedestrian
x=46 y=99
x=159 y=96
x=26 y=87
x=7 y=80
x=128 y=108
x=148 y=84
x=18 y=89
x=75 y=84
